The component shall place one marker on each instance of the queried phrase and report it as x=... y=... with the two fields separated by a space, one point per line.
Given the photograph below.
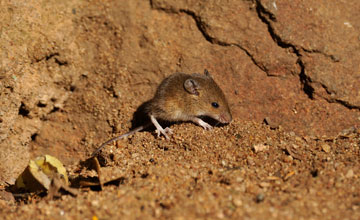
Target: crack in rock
x=49 y=56
x=265 y=16
x=202 y=26
x=339 y=101
x=333 y=58
x=344 y=103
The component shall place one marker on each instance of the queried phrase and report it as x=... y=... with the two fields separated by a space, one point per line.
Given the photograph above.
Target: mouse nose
x=225 y=118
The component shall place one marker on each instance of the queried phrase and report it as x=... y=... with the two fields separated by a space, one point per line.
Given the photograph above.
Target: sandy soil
x=72 y=75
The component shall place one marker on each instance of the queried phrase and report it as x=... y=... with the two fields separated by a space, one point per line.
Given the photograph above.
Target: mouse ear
x=191 y=86
x=206 y=72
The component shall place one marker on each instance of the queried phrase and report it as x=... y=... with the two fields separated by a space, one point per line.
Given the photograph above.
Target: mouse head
x=208 y=98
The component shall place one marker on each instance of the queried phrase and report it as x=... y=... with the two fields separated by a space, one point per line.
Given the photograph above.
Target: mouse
x=183 y=97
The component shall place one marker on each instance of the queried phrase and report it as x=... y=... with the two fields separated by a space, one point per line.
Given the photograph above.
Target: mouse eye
x=215 y=104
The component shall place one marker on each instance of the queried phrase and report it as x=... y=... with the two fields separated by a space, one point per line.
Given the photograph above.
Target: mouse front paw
x=203 y=124
x=206 y=126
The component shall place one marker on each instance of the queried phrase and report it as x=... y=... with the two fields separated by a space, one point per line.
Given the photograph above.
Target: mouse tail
x=142 y=127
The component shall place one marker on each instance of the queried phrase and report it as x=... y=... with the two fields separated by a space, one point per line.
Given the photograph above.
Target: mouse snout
x=225 y=118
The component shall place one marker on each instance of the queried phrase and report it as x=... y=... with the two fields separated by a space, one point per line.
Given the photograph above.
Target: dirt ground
x=72 y=74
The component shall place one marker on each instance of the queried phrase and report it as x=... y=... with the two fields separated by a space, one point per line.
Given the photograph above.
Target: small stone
x=326 y=148
x=295 y=146
x=288 y=158
x=239 y=179
x=238 y=136
x=264 y=184
x=157 y=212
x=271 y=123
x=259 y=198
x=349 y=174
x=135 y=155
x=237 y=202
x=250 y=161
x=95 y=203
x=260 y=147
x=220 y=215
x=335 y=58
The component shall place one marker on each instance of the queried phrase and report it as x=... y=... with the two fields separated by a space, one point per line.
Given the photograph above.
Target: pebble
x=259 y=198
x=288 y=158
x=349 y=174
x=220 y=215
x=135 y=155
x=239 y=179
x=237 y=202
x=250 y=161
x=95 y=203
x=260 y=147
x=326 y=148
x=264 y=184
x=271 y=123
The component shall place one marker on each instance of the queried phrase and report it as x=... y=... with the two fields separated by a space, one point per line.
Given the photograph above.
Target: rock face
x=73 y=72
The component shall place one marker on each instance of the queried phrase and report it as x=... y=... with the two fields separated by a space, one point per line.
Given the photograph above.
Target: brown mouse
x=183 y=97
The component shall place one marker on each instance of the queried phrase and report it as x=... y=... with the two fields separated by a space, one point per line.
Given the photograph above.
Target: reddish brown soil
x=72 y=73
